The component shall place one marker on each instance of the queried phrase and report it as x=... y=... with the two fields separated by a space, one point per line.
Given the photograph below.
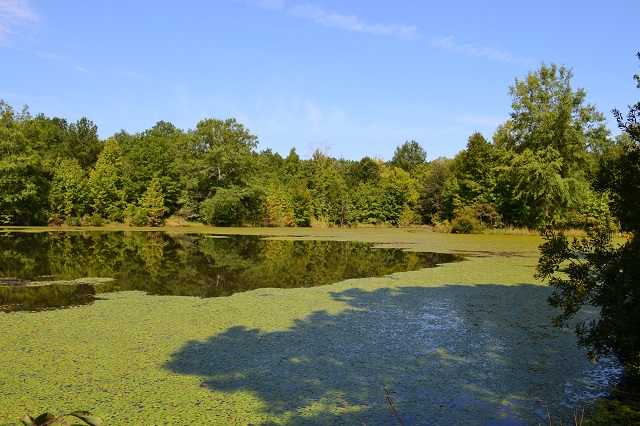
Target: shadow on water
x=37 y=270
x=448 y=355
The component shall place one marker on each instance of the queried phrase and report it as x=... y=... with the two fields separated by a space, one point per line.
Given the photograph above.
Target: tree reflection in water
x=35 y=268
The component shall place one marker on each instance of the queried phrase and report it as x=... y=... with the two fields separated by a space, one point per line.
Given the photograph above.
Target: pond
x=448 y=350
x=59 y=269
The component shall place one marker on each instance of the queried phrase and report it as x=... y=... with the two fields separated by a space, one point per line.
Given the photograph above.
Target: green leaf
x=88 y=418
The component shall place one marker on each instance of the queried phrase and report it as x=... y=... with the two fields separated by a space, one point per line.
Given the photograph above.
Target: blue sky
x=355 y=77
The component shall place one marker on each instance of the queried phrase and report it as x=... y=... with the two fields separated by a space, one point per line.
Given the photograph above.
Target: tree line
x=537 y=170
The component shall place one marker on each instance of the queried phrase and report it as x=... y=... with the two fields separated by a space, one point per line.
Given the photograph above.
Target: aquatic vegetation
x=467 y=341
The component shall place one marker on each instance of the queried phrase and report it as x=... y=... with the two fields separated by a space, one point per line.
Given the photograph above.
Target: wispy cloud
x=353 y=23
x=470 y=49
x=14 y=14
x=59 y=58
x=334 y=19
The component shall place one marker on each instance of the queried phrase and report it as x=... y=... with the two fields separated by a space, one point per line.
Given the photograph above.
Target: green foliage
x=225 y=208
x=398 y=192
x=301 y=204
x=231 y=206
x=408 y=156
x=407 y=216
x=465 y=221
x=95 y=219
x=216 y=155
x=473 y=178
x=328 y=191
x=547 y=149
x=152 y=202
x=136 y=215
x=619 y=179
x=68 y=194
x=430 y=201
x=369 y=204
x=592 y=272
x=106 y=182
x=24 y=180
x=548 y=113
x=279 y=209
x=152 y=153
x=488 y=215
x=81 y=142
x=536 y=193
x=441 y=226
x=366 y=170
x=50 y=419
x=534 y=173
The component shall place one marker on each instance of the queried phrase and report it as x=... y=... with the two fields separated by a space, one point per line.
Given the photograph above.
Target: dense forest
x=537 y=170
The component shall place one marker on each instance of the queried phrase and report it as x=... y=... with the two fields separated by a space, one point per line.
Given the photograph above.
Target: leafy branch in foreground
x=49 y=419
x=592 y=272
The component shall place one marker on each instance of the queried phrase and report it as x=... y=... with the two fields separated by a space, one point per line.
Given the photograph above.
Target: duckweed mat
x=463 y=343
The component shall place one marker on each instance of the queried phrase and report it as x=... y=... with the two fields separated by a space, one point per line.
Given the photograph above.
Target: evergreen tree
x=152 y=202
x=106 y=182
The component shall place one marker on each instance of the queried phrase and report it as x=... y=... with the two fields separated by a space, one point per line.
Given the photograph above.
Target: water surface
x=57 y=268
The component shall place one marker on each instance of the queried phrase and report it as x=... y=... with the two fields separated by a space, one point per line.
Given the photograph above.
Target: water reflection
x=35 y=268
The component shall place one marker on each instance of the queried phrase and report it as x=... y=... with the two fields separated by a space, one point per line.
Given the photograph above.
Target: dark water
x=58 y=269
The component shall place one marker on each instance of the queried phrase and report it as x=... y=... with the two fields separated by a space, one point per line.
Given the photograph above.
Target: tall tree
x=81 y=142
x=476 y=173
x=106 y=183
x=24 y=179
x=328 y=190
x=217 y=154
x=153 y=202
x=399 y=194
x=408 y=156
x=152 y=153
x=68 y=195
x=548 y=112
x=552 y=126
x=430 y=201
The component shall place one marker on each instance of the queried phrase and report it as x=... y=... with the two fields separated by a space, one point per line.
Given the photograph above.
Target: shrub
x=407 y=217
x=95 y=220
x=443 y=226
x=137 y=216
x=465 y=221
x=73 y=221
